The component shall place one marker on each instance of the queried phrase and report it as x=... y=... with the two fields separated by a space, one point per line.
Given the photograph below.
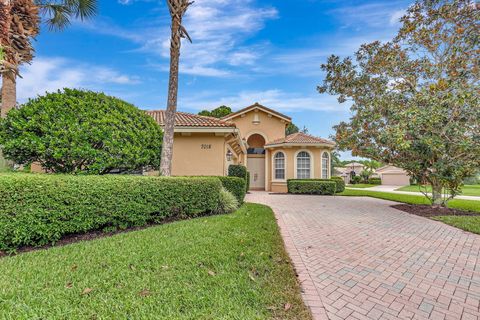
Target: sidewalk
x=392 y=189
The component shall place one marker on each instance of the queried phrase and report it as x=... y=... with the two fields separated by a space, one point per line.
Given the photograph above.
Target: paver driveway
x=358 y=258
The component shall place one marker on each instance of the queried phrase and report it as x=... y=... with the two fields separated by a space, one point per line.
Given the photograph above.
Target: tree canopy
x=415 y=99
x=219 y=112
x=75 y=131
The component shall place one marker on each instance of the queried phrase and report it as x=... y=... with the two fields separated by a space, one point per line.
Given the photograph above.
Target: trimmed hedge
x=375 y=181
x=340 y=184
x=39 y=209
x=238 y=170
x=319 y=187
x=236 y=186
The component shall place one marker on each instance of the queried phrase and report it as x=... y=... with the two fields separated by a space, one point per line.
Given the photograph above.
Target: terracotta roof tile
x=183 y=119
x=301 y=138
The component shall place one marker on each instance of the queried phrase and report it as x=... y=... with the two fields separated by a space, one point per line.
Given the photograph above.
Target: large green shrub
x=236 y=186
x=40 y=209
x=74 y=131
x=340 y=184
x=311 y=186
x=237 y=170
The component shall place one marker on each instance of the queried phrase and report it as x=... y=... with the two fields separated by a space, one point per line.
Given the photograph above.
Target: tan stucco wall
x=269 y=126
x=290 y=154
x=190 y=159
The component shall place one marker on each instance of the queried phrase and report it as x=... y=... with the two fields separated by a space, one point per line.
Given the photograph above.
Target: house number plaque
x=206 y=146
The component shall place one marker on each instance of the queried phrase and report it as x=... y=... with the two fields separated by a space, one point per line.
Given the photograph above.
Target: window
x=303 y=165
x=279 y=166
x=325 y=165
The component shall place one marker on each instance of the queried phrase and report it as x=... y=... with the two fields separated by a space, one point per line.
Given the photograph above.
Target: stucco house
x=254 y=137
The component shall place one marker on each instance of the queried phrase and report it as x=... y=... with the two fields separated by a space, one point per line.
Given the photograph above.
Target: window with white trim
x=303 y=165
x=325 y=165
x=279 y=166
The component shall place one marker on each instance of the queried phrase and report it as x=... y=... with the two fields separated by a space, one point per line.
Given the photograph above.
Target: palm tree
x=20 y=23
x=177 y=11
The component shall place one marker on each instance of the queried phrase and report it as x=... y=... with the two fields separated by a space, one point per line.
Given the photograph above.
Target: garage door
x=395 y=179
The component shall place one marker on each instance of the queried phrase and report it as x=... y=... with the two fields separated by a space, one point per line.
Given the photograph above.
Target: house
x=393 y=176
x=349 y=171
x=254 y=137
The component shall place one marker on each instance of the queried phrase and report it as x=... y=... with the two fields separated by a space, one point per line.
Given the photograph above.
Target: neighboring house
x=350 y=170
x=393 y=176
x=255 y=137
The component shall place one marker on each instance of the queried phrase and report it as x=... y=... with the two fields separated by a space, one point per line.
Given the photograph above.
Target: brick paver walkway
x=358 y=258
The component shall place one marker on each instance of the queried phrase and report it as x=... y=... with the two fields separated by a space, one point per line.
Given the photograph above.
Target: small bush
x=39 y=209
x=227 y=202
x=356 y=180
x=235 y=186
x=340 y=184
x=318 y=187
x=377 y=181
x=237 y=170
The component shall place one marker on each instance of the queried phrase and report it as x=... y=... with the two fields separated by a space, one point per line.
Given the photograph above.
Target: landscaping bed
x=429 y=211
x=219 y=267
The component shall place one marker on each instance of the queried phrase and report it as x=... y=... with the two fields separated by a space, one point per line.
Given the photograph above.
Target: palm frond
x=59 y=13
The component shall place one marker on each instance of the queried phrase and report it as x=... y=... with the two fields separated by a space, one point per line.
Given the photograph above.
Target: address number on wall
x=206 y=146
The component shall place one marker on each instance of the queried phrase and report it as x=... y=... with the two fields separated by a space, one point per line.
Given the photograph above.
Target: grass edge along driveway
x=467 y=190
x=467 y=223
x=219 y=267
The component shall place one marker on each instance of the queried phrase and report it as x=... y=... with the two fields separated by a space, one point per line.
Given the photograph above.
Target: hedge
x=238 y=170
x=375 y=181
x=236 y=186
x=39 y=209
x=311 y=187
x=340 y=184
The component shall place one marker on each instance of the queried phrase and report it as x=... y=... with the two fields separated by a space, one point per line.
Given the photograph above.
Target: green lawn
x=467 y=190
x=471 y=224
x=361 y=185
x=220 y=267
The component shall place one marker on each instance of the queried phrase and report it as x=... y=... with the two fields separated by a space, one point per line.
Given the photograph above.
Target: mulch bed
x=92 y=235
x=429 y=211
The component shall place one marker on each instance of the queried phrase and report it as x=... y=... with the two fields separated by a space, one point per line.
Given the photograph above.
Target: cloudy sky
x=243 y=51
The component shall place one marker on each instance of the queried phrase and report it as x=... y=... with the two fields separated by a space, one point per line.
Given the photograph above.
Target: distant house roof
x=355 y=164
x=259 y=107
x=300 y=138
x=390 y=169
x=183 y=119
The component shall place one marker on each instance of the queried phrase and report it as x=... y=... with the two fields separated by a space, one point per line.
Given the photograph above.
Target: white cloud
x=52 y=74
x=218 y=29
x=274 y=98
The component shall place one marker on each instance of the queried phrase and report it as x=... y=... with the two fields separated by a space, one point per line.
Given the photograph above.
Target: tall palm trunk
x=9 y=92
x=177 y=10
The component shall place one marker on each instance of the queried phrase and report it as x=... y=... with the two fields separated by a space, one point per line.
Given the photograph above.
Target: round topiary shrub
x=74 y=131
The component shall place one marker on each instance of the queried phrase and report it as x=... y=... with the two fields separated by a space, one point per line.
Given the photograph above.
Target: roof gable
x=258 y=106
x=301 y=138
x=183 y=119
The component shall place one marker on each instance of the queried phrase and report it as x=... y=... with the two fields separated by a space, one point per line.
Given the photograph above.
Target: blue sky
x=243 y=51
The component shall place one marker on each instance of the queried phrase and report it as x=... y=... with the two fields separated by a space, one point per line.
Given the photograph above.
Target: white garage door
x=395 y=179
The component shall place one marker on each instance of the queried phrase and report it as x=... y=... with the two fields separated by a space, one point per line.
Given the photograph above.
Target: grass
x=467 y=190
x=361 y=185
x=469 y=205
x=221 y=267
x=471 y=224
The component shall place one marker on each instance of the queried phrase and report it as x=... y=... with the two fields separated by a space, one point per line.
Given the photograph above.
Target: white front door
x=256 y=167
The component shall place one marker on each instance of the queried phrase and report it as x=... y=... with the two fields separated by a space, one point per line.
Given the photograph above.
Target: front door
x=256 y=167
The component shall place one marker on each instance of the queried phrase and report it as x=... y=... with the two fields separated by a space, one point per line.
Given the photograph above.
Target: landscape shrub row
x=376 y=181
x=39 y=209
x=319 y=187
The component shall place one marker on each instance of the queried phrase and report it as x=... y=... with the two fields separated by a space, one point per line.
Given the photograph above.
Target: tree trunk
x=437 y=195
x=168 y=134
x=9 y=92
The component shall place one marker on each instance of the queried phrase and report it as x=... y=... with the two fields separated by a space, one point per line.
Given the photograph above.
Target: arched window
x=279 y=166
x=325 y=165
x=303 y=165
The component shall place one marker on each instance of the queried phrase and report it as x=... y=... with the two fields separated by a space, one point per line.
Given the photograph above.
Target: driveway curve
x=358 y=258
